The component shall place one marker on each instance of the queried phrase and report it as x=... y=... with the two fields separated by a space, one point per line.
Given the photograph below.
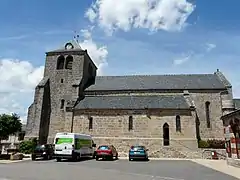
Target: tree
x=9 y=125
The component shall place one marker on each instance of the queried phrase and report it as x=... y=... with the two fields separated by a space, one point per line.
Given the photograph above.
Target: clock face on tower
x=69 y=46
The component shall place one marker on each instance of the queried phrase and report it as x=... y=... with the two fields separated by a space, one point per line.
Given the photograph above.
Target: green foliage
x=28 y=146
x=9 y=125
x=216 y=144
x=211 y=144
x=203 y=144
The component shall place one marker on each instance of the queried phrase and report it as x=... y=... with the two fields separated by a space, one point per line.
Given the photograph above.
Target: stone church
x=167 y=113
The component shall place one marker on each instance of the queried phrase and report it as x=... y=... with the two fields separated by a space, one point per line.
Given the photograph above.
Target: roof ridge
x=147 y=75
x=149 y=95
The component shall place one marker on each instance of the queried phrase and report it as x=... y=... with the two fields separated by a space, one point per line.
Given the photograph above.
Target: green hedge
x=211 y=144
x=28 y=146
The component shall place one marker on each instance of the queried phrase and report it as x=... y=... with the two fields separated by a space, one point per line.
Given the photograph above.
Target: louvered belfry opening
x=60 y=62
x=69 y=62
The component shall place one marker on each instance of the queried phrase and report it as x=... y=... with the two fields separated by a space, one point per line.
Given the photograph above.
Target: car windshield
x=40 y=147
x=64 y=140
x=103 y=148
x=138 y=147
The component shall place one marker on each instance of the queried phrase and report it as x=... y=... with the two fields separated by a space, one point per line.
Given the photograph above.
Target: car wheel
x=116 y=157
x=129 y=159
x=58 y=159
x=33 y=158
x=48 y=157
x=78 y=157
x=97 y=158
x=45 y=157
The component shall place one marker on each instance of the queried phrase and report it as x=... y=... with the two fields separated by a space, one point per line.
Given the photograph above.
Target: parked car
x=138 y=152
x=106 y=152
x=44 y=151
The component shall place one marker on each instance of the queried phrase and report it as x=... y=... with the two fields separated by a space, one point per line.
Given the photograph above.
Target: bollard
x=214 y=155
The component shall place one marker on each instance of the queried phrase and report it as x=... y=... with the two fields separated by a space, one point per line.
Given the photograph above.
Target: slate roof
x=236 y=103
x=161 y=82
x=133 y=102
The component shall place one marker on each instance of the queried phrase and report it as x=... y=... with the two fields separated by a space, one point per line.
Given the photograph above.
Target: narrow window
x=21 y=136
x=62 y=104
x=130 y=123
x=166 y=136
x=90 y=125
x=61 y=80
x=178 y=123
x=60 y=62
x=69 y=62
x=207 y=109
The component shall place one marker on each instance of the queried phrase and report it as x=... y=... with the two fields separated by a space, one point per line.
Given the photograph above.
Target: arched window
x=60 y=62
x=130 y=123
x=90 y=125
x=166 y=136
x=178 y=123
x=207 y=109
x=62 y=104
x=69 y=62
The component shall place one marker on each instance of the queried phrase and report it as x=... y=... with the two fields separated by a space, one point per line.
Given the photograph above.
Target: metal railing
x=209 y=150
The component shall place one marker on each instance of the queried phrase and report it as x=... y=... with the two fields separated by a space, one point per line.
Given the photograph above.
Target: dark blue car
x=138 y=152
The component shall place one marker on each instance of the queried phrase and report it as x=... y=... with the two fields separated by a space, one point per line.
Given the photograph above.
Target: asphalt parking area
x=114 y=170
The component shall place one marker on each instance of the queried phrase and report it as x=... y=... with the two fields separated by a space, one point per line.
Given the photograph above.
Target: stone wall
x=35 y=110
x=216 y=129
x=113 y=123
x=111 y=127
x=64 y=85
x=198 y=99
x=155 y=146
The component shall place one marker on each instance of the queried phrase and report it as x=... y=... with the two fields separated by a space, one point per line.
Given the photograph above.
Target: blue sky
x=209 y=41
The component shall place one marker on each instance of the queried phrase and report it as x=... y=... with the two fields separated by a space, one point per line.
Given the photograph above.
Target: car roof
x=138 y=146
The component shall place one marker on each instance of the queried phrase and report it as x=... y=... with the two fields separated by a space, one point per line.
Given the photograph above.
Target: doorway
x=166 y=135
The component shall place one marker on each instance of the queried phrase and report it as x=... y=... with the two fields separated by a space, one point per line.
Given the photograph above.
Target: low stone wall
x=155 y=146
x=233 y=162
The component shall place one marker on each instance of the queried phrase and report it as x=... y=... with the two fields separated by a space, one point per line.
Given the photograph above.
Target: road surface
x=109 y=170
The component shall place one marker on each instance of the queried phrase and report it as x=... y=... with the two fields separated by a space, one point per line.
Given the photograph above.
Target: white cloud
x=210 y=47
x=168 y=15
x=18 y=78
x=97 y=53
x=183 y=59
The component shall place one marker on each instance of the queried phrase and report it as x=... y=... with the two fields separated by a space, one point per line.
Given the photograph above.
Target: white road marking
x=144 y=175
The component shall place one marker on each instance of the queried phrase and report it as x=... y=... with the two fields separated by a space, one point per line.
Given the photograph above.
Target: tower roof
x=72 y=45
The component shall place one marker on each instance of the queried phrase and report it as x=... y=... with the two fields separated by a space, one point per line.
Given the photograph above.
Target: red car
x=106 y=152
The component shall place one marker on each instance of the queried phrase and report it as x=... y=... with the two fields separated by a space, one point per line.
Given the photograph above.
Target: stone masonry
x=70 y=95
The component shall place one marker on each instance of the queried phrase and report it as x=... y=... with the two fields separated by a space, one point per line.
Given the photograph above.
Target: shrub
x=27 y=146
x=203 y=144
x=216 y=144
x=211 y=144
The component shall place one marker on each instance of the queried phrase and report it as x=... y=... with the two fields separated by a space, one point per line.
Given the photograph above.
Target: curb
x=233 y=162
x=164 y=159
x=13 y=161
